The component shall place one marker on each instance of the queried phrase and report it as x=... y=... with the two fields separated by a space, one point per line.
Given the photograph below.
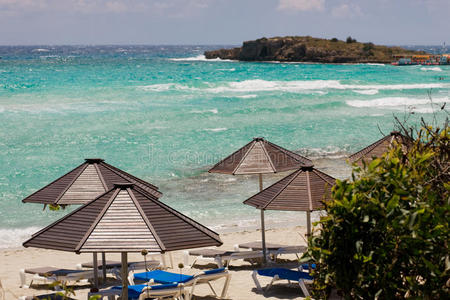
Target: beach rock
x=309 y=49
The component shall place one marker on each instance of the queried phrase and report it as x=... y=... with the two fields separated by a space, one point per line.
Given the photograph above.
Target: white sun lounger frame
x=223 y=260
x=302 y=283
x=77 y=276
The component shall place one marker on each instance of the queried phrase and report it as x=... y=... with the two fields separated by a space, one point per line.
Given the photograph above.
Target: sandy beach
x=241 y=286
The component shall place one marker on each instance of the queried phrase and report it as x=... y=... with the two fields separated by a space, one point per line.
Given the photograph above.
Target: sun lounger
x=220 y=257
x=144 y=291
x=160 y=276
x=283 y=274
x=274 y=250
x=48 y=275
x=111 y=264
x=307 y=267
x=46 y=297
x=163 y=277
x=175 y=291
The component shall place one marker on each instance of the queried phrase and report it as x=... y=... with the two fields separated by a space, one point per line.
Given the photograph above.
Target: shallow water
x=166 y=114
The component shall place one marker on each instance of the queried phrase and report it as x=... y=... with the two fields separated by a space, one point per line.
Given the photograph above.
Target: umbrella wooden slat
x=85 y=183
x=380 y=147
x=116 y=226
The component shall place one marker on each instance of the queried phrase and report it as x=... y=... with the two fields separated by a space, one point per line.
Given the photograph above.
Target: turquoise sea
x=165 y=114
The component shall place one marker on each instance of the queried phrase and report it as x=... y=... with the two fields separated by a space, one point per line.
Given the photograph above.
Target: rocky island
x=309 y=49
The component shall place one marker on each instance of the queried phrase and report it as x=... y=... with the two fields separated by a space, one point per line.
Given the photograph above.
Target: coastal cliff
x=309 y=49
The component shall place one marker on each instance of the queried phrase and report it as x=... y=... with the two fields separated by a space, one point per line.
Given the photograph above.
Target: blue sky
x=33 y=22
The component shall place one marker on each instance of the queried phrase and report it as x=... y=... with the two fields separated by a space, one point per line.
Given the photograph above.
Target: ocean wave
x=13 y=238
x=366 y=92
x=435 y=69
x=216 y=129
x=197 y=58
x=259 y=85
x=213 y=111
x=163 y=87
x=327 y=152
x=247 y=96
x=40 y=50
x=394 y=102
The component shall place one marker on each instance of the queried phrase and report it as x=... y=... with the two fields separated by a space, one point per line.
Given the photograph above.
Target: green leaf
x=393 y=203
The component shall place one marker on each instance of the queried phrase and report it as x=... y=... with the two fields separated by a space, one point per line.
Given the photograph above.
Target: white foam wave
x=40 y=50
x=195 y=58
x=231 y=70
x=259 y=85
x=424 y=110
x=366 y=92
x=216 y=129
x=214 y=111
x=247 y=96
x=321 y=92
x=13 y=238
x=163 y=87
x=435 y=69
x=394 y=102
x=198 y=58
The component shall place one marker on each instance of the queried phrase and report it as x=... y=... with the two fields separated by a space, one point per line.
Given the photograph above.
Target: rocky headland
x=309 y=49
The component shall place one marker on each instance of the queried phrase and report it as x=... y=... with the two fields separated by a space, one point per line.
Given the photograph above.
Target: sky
x=220 y=22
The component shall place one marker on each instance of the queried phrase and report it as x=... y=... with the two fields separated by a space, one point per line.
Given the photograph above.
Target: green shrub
x=368 y=46
x=350 y=40
x=386 y=232
x=334 y=40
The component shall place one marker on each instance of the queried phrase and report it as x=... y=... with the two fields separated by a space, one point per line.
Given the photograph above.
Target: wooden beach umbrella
x=124 y=219
x=303 y=190
x=85 y=183
x=260 y=157
x=378 y=148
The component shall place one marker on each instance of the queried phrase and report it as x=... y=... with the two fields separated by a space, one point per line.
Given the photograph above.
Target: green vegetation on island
x=309 y=49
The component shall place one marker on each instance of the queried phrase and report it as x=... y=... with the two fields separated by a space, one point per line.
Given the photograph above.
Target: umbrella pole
x=104 y=266
x=263 y=227
x=95 y=265
x=308 y=223
x=124 y=276
x=263 y=236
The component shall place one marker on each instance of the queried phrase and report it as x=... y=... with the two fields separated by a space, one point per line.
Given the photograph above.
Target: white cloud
x=346 y=10
x=301 y=5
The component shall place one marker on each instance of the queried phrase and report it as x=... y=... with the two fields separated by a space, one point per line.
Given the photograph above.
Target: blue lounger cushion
x=306 y=266
x=135 y=290
x=214 y=271
x=285 y=274
x=163 y=277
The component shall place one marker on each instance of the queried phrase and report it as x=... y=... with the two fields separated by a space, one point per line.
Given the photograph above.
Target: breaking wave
x=366 y=92
x=216 y=129
x=394 y=102
x=197 y=58
x=259 y=85
x=435 y=69
x=12 y=238
x=212 y=111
